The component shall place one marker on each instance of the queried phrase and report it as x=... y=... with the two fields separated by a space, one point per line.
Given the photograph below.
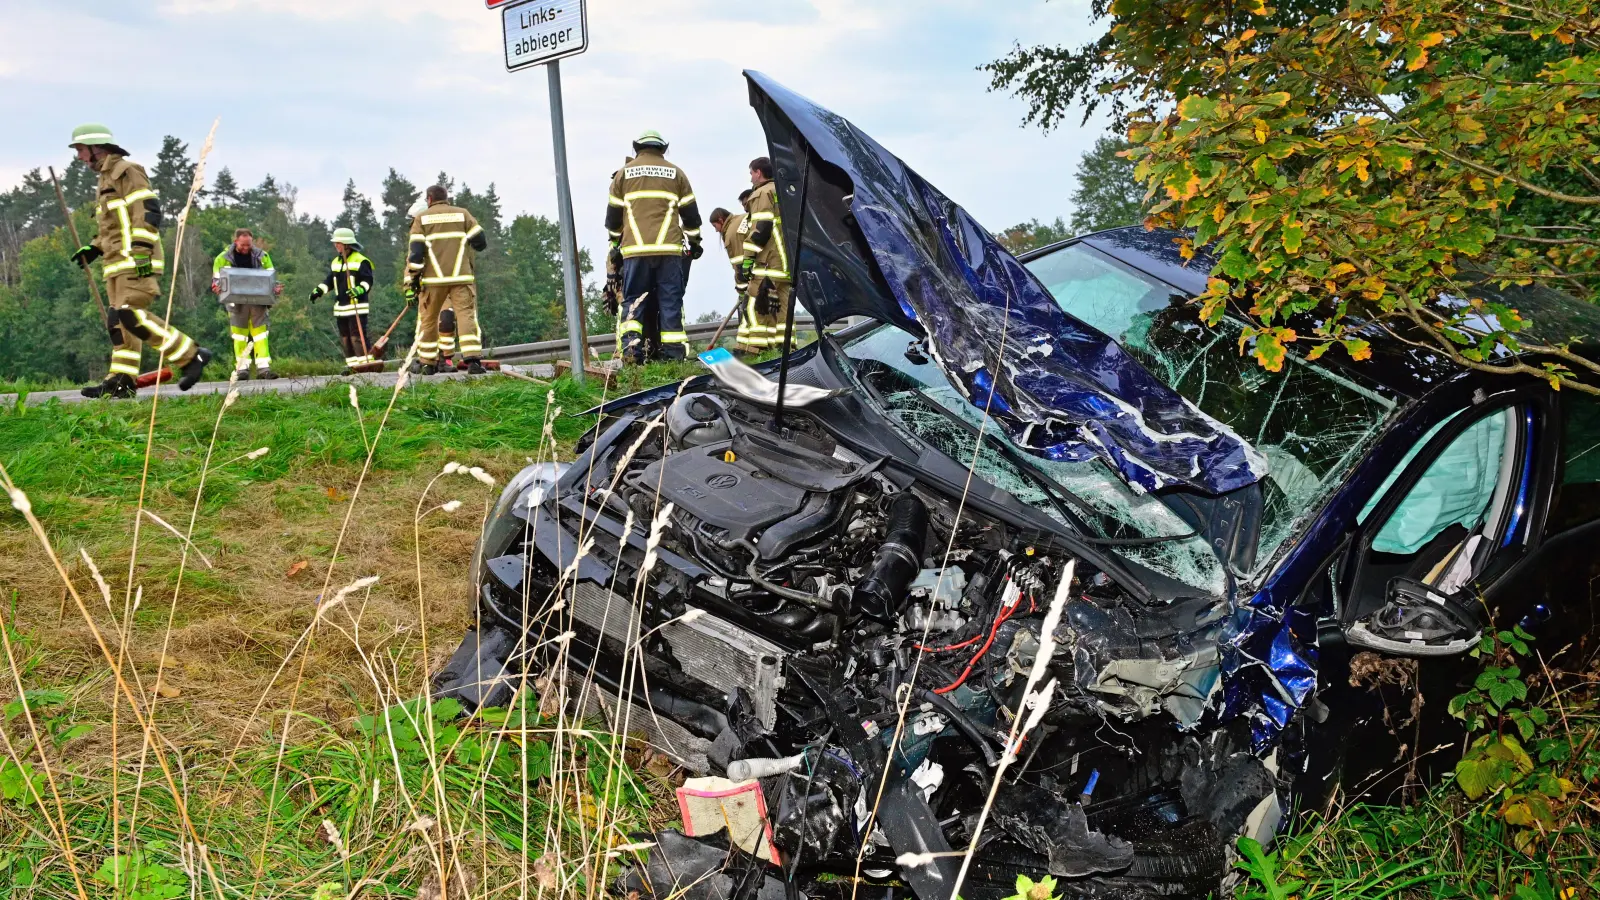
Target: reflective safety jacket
x=350 y=281
x=734 y=233
x=128 y=219
x=445 y=241
x=649 y=197
x=230 y=258
x=765 y=241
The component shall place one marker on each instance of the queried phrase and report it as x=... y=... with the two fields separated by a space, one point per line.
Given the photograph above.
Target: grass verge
x=373 y=788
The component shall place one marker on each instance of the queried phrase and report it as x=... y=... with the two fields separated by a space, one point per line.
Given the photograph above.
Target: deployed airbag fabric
x=1455 y=489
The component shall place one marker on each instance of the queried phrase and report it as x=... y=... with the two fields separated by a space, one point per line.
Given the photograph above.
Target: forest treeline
x=49 y=327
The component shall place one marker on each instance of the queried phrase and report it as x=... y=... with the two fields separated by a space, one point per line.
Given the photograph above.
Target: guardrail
x=547 y=351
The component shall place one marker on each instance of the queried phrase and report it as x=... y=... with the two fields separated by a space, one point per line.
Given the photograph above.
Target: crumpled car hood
x=1060 y=388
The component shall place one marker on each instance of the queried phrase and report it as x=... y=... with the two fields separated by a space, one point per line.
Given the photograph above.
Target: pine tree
x=262 y=200
x=79 y=182
x=359 y=216
x=398 y=195
x=173 y=174
x=225 y=190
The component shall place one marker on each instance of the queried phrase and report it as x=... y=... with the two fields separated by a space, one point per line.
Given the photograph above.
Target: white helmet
x=417 y=208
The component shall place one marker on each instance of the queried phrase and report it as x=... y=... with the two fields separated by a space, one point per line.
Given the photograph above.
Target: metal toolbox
x=248 y=286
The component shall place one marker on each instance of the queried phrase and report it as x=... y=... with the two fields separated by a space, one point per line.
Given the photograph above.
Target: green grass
x=80 y=464
x=270 y=525
x=345 y=804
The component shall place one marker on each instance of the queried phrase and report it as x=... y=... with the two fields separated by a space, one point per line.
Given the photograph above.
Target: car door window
x=1578 y=499
x=1442 y=530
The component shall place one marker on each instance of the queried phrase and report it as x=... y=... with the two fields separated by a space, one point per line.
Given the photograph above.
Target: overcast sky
x=320 y=91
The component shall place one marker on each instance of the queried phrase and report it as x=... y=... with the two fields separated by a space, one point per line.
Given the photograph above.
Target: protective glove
x=317 y=294
x=615 y=257
x=695 y=250
x=609 y=297
x=766 y=303
x=86 y=255
x=142 y=267
x=358 y=291
x=409 y=292
x=741 y=282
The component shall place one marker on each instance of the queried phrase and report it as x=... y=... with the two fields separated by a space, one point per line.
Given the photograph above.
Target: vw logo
x=722 y=481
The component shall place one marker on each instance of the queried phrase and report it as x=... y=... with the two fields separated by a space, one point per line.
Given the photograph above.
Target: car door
x=1459 y=515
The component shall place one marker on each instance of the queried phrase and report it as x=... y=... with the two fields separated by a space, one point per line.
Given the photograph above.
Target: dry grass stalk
x=19 y=501
x=58 y=822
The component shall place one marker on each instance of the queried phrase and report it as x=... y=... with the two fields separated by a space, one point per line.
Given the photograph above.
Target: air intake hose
x=898 y=560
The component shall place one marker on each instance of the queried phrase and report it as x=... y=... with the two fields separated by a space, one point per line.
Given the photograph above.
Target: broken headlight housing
x=525 y=490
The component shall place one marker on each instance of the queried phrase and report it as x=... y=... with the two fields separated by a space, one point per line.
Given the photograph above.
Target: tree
x=397 y=196
x=358 y=215
x=49 y=329
x=225 y=190
x=1107 y=196
x=1356 y=162
x=1032 y=234
x=173 y=175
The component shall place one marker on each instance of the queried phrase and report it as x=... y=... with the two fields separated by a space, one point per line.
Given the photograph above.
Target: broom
x=381 y=345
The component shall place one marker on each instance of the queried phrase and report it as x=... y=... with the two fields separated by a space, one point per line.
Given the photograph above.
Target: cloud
x=318 y=92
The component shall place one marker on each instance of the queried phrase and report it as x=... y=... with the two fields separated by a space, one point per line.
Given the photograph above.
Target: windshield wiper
x=1058 y=494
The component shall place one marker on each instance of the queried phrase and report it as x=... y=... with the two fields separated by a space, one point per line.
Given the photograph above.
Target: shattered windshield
x=906 y=385
x=1311 y=423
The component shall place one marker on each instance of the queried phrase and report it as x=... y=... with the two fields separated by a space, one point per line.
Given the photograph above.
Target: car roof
x=1397 y=366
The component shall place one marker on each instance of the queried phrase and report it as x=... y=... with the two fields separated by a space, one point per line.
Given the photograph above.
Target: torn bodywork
x=781 y=602
x=841 y=601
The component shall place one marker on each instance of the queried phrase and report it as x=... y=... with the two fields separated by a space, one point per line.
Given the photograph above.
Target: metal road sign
x=541 y=31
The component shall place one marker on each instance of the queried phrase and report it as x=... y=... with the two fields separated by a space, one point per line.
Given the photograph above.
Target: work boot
x=475 y=366
x=430 y=369
x=242 y=374
x=446 y=363
x=415 y=368
x=115 y=387
x=193 y=369
x=267 y=374
x=347 y=371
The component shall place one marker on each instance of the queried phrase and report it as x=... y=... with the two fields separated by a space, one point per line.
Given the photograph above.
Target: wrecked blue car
x=828 y=575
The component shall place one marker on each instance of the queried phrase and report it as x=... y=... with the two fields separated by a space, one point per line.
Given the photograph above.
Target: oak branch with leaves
x=1362 y=164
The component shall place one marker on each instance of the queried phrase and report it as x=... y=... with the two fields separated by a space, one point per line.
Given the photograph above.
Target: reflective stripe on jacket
x=733 y=235
x=350 y=281
x=649 y=198
x=128 y=218
x=765 y=242
x=259 y=259
x=445 y=241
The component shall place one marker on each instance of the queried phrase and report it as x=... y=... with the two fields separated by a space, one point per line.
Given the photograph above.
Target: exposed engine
x=763 y=603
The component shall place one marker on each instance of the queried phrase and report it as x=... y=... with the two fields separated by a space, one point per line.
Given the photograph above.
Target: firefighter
x=650 y=213
x=247 y=321
x=763 y=277
x=445 y=241
x=447 y=316
x=735 y=230
x=350 y=281
x=128 y=221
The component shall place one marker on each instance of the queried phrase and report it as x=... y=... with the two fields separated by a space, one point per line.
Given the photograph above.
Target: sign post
x=542 y=32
